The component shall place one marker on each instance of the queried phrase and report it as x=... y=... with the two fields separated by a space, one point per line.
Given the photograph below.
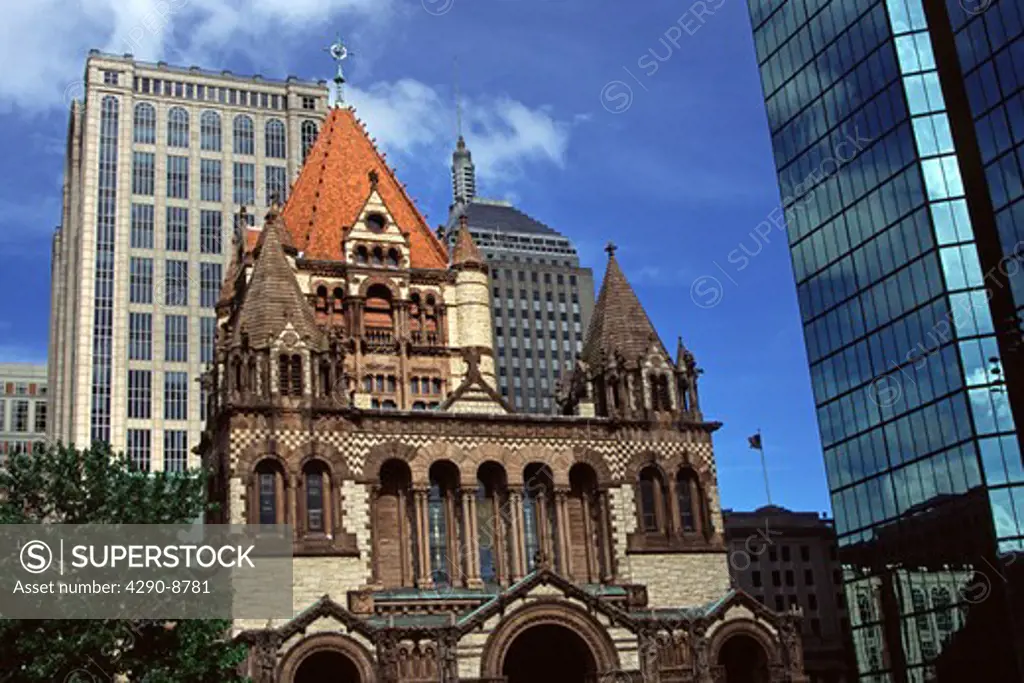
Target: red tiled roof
x=333 y=187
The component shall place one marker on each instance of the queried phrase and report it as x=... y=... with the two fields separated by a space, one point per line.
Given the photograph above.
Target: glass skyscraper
x=897 y=129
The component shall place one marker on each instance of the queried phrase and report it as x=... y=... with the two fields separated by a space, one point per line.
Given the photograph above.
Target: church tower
x=463 y=174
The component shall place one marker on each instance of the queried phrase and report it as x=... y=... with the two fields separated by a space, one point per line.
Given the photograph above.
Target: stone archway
x=549 y=653
x=743 y=659
x=327 y=657
x=549 y=640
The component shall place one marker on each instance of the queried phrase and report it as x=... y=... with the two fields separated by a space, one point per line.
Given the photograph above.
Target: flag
x=755 y=441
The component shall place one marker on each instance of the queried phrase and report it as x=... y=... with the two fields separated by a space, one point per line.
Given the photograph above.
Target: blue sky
x=639 y=123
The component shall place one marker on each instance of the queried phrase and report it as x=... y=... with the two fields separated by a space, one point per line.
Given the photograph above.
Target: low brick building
x=438 y=534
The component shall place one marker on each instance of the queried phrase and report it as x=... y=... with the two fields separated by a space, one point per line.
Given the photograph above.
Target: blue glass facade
x=898 y=199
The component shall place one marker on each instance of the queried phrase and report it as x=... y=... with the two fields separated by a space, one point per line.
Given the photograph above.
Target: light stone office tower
x=160 y=160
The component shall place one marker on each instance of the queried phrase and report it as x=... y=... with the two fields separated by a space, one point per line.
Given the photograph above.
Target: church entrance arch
x=744 y=660
x=549 y=642
x=327 y=657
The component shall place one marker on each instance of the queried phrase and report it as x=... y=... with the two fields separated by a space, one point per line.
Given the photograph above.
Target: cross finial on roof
x=463 y=220
x=339 y=53
x=374 y=179
x=610 y=248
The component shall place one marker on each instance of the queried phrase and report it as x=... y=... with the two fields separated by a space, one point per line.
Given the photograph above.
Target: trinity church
x=438 y=534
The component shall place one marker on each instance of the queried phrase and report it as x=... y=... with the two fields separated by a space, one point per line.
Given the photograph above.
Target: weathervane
x=339 y=53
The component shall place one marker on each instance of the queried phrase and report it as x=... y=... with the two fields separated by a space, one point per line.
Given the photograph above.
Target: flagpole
x=764 y=466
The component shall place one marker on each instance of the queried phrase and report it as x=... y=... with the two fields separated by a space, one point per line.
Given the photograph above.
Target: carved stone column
x=604 y=528
x=703 y=672
x=263 y=658
x=516 y=569
x=564 y=564
x=293 y=513
x=470 y=541
x=424 y=579
x=387 y=657
x=674 y=525
x=448 y=657
x=648 y=653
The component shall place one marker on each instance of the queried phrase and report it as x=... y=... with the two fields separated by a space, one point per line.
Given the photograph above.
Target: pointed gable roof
x=273 y=298
x=333 y=187
x=465 y=250
x=619 y=324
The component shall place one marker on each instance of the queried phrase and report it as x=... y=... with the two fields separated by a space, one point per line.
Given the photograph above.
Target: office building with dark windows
x=159 y=160
x=541 y=297
x=897 y=128
x=786 y=560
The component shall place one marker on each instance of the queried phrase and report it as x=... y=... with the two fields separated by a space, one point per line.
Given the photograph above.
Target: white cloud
x=415 y=121
x=44 y=42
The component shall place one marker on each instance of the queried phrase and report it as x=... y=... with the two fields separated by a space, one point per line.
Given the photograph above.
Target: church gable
x=375 y=238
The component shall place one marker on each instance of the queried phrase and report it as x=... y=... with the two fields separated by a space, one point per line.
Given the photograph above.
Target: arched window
x=237 y=380
x=368 y=383
x=325 y=378
x=583 y=521
x=491 y=500
x=688 y=500
x=362 y=255
x=394 y=537
x=275 y=139
x=309 y=133
x=252 y=377
x=317 y=484
x=209 y=131
x=244 y=142
x=436 y=385
x=296 y=375
x=652 y=500
x=378 y=314
x=414 y=385
x=339 y=300
x=393 y=258
x=177 y=127
x=269 y=494
x=321 y=299
x=539 y=515
x=284 y=366
x=377 y=256
x=389 y=405
x=419 y=405
x=442 y=517
x=145 y=123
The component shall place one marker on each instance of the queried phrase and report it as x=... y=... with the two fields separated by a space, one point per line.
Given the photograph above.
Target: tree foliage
x=61 y=485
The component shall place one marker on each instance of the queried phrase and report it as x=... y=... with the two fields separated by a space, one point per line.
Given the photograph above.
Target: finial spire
x=339 y=53
x=458 y=100
x=610 y=248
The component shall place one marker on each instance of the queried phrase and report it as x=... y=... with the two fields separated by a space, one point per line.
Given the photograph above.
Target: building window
x=176 y=396
x=538 y=515
x=176 y=283
x=203 y=400
x=142 y=226
x=176 y=338
x=111 y=77
x=267 y=497
x=442 y=521
x=276 y=183
x=308 y=102
x=40 y=417
x=177 y=177
x=140 y=394
x=210 y=178
x=209 y=284
x=144 y=124
x=812 y=601
x=805 y=553
x=143 y=173
x=207 y=337
x=755 y=578
x=175 y=450
x=139 y=443
x=177 y=127
x=275 y=139
x=688 y=499
x=209 y=131
x=244 y=184
x=789 y=578
x=780 y=604
x=211 y=232
x=243 y=135
x=315 y=475
x=140 y=280
x=140 y=336
x=177 y=229
x=808 y=577
x=309 y=134
x=289 y=375
x=785 y=553
x=776 y=579
x=20 y=423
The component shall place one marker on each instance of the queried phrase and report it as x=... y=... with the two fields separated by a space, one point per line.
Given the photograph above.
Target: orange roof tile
x=333 y=187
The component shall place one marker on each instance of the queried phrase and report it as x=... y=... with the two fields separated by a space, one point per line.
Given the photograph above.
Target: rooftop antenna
x=458 y=100
x=339 y=53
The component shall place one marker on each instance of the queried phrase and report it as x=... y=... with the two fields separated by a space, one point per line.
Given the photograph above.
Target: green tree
x=61 y=485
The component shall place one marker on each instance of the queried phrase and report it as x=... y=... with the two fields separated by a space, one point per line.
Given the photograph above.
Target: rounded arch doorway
x=549 y=653
x=744 y=660
x=327 y=665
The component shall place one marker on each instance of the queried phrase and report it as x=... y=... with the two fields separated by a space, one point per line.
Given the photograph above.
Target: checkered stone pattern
x=356 y=446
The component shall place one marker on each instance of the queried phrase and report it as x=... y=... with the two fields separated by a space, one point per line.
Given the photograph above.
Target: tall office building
x=541 y=297
x=897 y=127
x=787 y=560
x=160 y=159
x=23 y=405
